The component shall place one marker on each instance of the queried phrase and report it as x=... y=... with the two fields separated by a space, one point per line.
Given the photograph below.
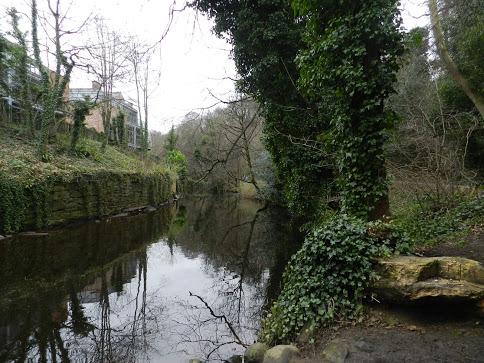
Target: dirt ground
x=473 y=249
x=410 y=334
x=429 y=333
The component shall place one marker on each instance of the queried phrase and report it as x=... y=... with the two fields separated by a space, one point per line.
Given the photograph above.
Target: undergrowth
x=329 y=276
x=430 y=220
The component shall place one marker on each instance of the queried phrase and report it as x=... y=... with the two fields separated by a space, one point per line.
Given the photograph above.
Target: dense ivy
x=266 y=38
x=81 y=109
x=12 y=201
x=349 y=69
x=16 y=199
x=329 y=276
x=176 y=160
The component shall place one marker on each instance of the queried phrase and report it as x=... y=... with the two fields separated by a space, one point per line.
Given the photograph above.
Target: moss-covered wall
x=56 y=201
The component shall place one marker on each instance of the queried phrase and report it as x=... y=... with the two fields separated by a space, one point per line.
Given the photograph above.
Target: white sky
x=192 y=60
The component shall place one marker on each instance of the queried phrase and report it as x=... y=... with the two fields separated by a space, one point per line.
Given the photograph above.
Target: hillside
x=18 y=159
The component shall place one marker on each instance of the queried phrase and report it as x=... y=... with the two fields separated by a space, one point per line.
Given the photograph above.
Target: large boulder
x=280 y=354
x=414 y=279
x=255 y=353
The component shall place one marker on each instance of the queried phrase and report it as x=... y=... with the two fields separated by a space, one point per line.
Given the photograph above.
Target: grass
x=19 y=160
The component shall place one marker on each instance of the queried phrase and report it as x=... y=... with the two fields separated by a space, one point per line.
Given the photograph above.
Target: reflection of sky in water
x=233 y=273
x=169 y=280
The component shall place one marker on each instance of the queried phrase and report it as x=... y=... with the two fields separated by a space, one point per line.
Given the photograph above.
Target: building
x=10 y=85
x=10 y=106
x=94 y=119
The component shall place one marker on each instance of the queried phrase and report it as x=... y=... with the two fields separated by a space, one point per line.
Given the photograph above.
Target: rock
x=335 y=352
x=411 y=279
x=33 y=234
x=364 y=346
x=120 y=215
x=280 y=354
x=255 y=353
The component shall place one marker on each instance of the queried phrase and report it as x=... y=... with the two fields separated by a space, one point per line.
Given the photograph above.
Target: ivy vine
x=329 y=276
x=349 y=69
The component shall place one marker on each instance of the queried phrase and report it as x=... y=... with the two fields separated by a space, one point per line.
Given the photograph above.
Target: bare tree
x=109 y=55
x=428 y=152
x=447 y=59
x=230 y=138
x=141 y=59
x=53 y=84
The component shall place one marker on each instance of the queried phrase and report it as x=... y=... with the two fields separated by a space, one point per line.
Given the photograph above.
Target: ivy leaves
x=349 y=69
x=329 y=276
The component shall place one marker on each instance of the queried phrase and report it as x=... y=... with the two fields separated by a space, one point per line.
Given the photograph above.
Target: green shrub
x=329 y=276
x=176 y=160
x=432 y=220
x=87 y=149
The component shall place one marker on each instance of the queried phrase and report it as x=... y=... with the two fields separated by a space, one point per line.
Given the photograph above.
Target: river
x=189 y=280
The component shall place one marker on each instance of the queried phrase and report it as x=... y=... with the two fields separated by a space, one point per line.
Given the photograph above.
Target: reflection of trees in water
x=99 y=307
x=132 y=335
x=46 y=327
x=60 y=332
x=50 y=285
x=216 y=324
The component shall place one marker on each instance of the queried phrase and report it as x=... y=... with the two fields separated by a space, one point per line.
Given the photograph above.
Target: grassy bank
x=18 y=158
x=30 y=189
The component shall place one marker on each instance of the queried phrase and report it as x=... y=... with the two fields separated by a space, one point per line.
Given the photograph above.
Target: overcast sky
x=193 y=62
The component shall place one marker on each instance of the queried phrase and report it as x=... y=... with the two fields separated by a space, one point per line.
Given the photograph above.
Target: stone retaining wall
x=93 y=196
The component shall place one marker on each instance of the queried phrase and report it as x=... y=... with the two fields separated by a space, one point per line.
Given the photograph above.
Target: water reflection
x=188 y=280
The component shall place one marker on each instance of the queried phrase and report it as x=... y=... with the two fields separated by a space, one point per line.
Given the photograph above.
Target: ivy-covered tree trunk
x=80 y=111
x=21 y=66
x=53 y=85
x=266 y=38
x=349 y=69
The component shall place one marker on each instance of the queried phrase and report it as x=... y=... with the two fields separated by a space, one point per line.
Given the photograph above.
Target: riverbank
x=441 y=327
x=73 y=185
x=402 y=334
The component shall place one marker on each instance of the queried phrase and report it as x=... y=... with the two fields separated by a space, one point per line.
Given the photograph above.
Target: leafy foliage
x=266 y=39
x=329 y=276
x=349 y=69
x=176 y=160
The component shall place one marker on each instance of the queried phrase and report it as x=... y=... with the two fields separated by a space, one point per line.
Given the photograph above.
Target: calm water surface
x=190 y=280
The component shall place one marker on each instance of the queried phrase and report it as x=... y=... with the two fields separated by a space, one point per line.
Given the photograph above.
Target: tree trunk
x=448 y=61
